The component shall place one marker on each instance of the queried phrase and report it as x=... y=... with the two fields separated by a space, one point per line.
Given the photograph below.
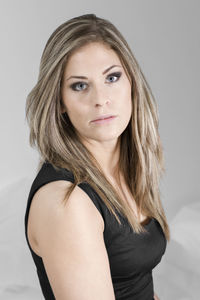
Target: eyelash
x=117 y=74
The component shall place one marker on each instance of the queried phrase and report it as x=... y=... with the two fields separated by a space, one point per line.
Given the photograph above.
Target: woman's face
x=104 y=90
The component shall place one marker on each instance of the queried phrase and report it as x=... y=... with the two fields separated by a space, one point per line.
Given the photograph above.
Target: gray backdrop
x=165 y=38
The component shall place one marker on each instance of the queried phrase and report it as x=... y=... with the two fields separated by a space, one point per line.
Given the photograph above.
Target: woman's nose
x=100 y=98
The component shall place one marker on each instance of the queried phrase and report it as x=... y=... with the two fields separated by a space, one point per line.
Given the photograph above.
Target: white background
x=165 y=39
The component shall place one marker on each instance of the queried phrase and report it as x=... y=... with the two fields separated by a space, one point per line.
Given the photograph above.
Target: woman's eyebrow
x=84 y=77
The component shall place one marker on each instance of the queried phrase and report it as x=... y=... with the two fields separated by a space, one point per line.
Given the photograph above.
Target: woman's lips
x=105 y=120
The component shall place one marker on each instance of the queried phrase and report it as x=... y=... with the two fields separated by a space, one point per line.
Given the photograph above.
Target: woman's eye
x=78 y=86
x=73 y=86
x=118 y=74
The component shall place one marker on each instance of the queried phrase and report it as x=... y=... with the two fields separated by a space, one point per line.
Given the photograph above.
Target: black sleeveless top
x=131 y=257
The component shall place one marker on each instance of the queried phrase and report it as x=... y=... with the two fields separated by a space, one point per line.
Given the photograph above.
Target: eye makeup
x=75 y=84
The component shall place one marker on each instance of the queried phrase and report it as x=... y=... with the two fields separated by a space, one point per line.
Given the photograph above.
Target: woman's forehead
x=90 y=56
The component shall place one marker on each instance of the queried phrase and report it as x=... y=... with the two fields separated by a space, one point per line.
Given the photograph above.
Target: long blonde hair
x=141 y=154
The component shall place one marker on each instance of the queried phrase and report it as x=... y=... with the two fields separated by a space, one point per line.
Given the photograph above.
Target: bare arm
x=72 y=247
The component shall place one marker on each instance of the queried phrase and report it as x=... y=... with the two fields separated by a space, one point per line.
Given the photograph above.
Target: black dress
x=131 y=257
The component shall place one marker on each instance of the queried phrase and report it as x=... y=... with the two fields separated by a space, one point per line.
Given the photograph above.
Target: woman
x=94 y=220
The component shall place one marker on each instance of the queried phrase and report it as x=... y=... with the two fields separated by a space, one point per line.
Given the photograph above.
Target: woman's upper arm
x=72 y=247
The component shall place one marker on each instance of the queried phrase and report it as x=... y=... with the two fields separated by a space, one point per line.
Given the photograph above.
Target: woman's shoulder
x=47 y=210
x=51 y=185
x=49 y=190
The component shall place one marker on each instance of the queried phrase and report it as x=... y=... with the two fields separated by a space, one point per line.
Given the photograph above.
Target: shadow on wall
x=177 y=277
